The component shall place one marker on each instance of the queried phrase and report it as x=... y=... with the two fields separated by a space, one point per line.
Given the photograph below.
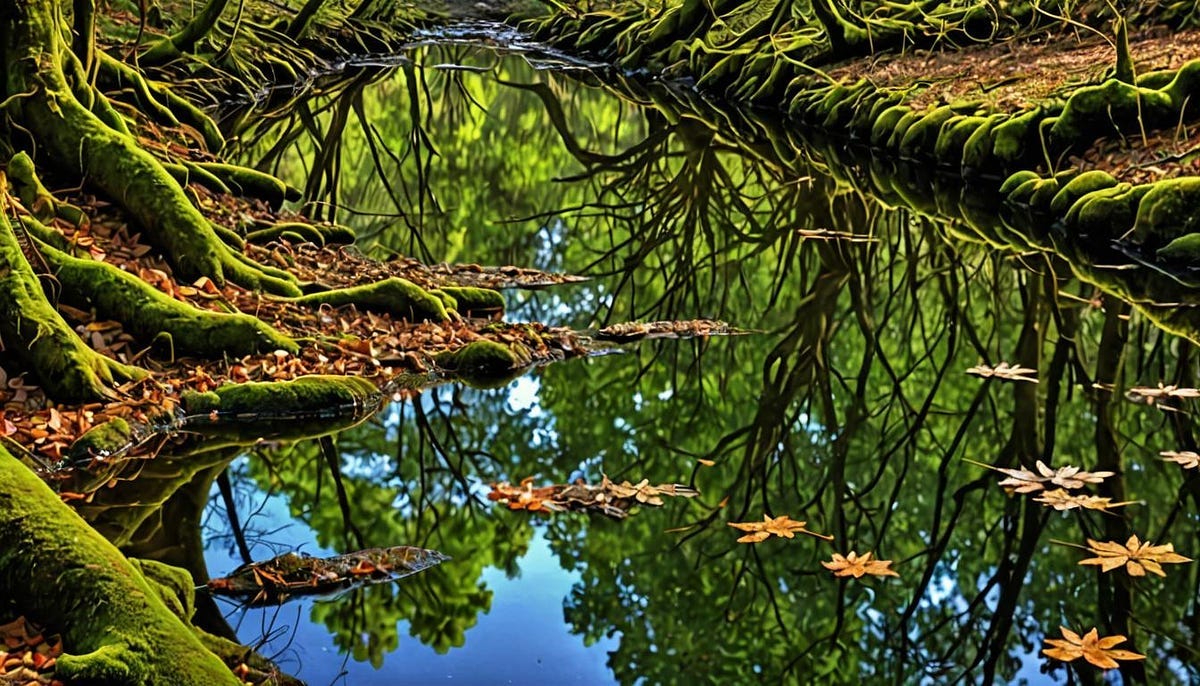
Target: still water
x=872 y=290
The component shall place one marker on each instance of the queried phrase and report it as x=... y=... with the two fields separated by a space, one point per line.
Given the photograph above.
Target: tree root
x=114 y=623
x=398 y=297
x=35 y=333
x=147 y=312
x=78 y=141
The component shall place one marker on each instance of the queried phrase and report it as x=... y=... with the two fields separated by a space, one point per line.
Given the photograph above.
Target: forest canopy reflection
x=852 y=409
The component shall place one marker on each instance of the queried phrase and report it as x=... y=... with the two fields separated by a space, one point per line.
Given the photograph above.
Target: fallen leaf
x=1185 y=458
x=1098 y=651
x=1137 y=557
x=856 y=566
x=782 y=526
x=1004 y=371
x=1060 y=500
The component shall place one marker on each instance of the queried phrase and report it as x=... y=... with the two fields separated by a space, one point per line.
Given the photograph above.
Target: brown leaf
x=1098 y=651
x=782 y=526
x=1060 y=500
x=1137 y=557
x=1004 y=371
x=1185 y=458
x=856 y=566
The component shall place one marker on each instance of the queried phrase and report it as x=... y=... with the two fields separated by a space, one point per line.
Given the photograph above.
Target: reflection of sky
x=523 y=639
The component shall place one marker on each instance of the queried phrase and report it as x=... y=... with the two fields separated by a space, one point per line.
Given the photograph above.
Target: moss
x=953 y=137
x=1043 y=192
x=147 y=312
x=115 y=626
x=305 y=395
x=101 y=441
x=901 y=129
x=1017 y=138
x=399 y=297
x=885 y=123
x=1184 y=248
x=36 y=198
x=475 y=302
x=321 y=234
x=921 y=137
x=1016 y=180
x=1106 y=213
x=1081 y=185
x=481 y=362
x=977 y=151
x=1169 y=209
x=1094 y=111
x=252 y=182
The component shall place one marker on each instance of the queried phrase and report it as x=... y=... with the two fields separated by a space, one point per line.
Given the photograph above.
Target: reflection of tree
x=439 y=605
x=851 y=412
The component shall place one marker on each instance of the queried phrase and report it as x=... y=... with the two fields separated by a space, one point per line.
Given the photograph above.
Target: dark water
x=851 y=409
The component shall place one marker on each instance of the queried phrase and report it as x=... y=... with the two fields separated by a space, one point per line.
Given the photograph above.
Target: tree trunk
x=116 y=625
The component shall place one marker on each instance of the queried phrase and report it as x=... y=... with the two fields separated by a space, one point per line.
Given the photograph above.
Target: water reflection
x=852 y=411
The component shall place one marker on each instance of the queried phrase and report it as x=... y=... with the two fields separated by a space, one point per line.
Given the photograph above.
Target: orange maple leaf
x=1096 y=650
x=855 y=566
x=782 y=526
x=1137 y=557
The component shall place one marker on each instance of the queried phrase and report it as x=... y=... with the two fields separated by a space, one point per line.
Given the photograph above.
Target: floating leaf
x=855 y=566
x=1185 y=458
x=1091 y=647
x=1137 y=557
x=612 y=499
x=633 y=331
x=1027 y=481
x=831 y=235
x=275 y=580
x=1004 y=371
x=782 y=526
x=1149 y=395
x=1060 y=500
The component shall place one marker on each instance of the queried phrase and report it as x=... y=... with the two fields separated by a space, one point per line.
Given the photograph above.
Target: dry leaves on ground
x=26 y=656
x=1091 y=647
x=782 y=526
x=291 y=574
x=1005 y=372
x=1137 y=557
x=856 y=566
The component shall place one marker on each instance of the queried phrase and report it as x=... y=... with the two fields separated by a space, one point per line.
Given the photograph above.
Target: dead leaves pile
x=695 y=328
x=1099 y=651
x=608 y=497
x=26 y=656
x=274 y=581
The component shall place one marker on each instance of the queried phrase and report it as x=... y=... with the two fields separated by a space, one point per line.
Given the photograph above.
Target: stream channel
x=872 y=289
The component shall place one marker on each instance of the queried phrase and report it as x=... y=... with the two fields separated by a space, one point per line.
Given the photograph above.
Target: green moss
x=398 y=297
x=1017 y=138
x=305 y=395
x=1169 y=209
x=475 y=302
x=1094 y=111
x=251 y=182
x=1185 y=248
x=481 y=362
x=1081 y=185
x=953 y=137
x=115 y=626
x=1043 y=192
x=101 y=441
x=921 y=137
x=1106 y=213
x=147 y=312
x=977 y=151
x=885 y=123
x=901 y=128
x=1016 y=180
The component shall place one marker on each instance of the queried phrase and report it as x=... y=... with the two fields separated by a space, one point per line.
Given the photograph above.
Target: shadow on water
x=875 y=287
